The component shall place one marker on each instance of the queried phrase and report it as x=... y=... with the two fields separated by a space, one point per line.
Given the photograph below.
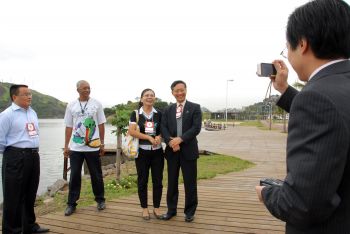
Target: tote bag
x=130 y=144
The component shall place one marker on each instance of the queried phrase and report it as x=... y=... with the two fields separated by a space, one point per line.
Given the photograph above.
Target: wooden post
x=118 y=154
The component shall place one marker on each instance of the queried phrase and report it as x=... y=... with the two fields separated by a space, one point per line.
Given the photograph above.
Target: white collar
x=15 y=107
x=325 y=65
x=142 y=111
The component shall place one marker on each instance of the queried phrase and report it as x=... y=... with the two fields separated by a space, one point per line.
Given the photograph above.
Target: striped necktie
x=179 y=120
x=178 y=111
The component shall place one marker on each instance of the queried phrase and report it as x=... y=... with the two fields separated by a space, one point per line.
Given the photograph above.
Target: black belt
x=25 y=150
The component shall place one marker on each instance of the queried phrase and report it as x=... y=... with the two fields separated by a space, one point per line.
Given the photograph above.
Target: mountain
x=46 y=107
x=204 y=109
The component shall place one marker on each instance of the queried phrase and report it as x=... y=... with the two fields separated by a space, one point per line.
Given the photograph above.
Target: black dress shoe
x=101 y=205
x=40 y=230
x=167 y=216
x=189 y=218
x=69 y=210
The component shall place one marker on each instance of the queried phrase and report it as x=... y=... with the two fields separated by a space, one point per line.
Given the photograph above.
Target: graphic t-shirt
x=84 y=118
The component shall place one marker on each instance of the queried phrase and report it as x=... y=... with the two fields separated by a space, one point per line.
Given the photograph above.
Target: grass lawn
x=254 y=123
x=208 y=167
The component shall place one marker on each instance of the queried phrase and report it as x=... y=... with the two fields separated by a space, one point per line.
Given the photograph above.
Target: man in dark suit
x=181 y=123
x=315 y=197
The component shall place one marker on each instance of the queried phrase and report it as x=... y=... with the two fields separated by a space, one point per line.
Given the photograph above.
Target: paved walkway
x=265 y=148
x=227 y=203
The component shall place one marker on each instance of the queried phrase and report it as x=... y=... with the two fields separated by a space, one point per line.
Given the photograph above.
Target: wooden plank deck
x=227 y=203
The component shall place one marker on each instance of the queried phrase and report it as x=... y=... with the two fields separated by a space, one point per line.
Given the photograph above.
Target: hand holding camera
x=278 y=73
x=266 y=70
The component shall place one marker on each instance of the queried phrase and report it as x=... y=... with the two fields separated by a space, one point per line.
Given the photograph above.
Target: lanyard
x=81 y=107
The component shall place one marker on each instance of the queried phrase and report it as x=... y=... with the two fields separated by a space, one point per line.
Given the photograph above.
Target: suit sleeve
x=158 y=131
x=195 y=129
x=164 y=125
x=285 y=101
x=317 y=148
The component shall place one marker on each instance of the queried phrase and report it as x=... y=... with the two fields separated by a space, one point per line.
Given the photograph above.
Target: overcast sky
x=122 y=47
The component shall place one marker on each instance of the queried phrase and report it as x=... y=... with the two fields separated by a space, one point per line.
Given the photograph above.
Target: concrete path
x=265 y=148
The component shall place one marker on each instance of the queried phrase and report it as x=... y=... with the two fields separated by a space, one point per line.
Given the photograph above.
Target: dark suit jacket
x=315 y=197
x=191 y=127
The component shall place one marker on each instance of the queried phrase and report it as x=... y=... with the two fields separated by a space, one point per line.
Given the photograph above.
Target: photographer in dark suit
x=181 y=123
x=315 y=197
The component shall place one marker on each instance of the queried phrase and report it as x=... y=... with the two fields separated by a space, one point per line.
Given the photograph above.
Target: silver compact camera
x=266 y=70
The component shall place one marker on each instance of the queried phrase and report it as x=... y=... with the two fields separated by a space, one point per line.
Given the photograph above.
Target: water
x=51 y=154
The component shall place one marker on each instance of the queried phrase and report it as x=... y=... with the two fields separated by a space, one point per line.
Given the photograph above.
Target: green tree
x=121 y=121
x=206 y=115
x=159 y=104
x=109 y=111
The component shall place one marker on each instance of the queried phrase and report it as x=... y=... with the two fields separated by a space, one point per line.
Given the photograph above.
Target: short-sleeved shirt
x=84 y=118
x=148 y=124
x=19 y=127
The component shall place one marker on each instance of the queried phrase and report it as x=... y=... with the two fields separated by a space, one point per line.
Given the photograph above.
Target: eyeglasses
x=284 y=53
x=26 y=95
x=148 y=95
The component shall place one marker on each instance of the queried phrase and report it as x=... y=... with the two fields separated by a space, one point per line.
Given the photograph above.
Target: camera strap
x=268 y=90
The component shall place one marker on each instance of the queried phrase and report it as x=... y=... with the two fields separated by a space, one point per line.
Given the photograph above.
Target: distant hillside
x=204 y=109
x=46 y=107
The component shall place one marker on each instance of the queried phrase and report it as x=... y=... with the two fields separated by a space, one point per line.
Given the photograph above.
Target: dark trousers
x=147 y=159
x=20 y=181
x=189 y=173
x=93 y=161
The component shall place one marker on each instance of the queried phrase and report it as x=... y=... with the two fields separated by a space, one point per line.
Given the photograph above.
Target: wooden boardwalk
x=227 y=203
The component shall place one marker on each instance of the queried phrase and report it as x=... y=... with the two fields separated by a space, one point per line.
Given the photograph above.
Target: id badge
x=31 y=130
x=149 y=128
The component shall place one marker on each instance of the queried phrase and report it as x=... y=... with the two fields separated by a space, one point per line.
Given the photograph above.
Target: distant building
x=232 y=114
